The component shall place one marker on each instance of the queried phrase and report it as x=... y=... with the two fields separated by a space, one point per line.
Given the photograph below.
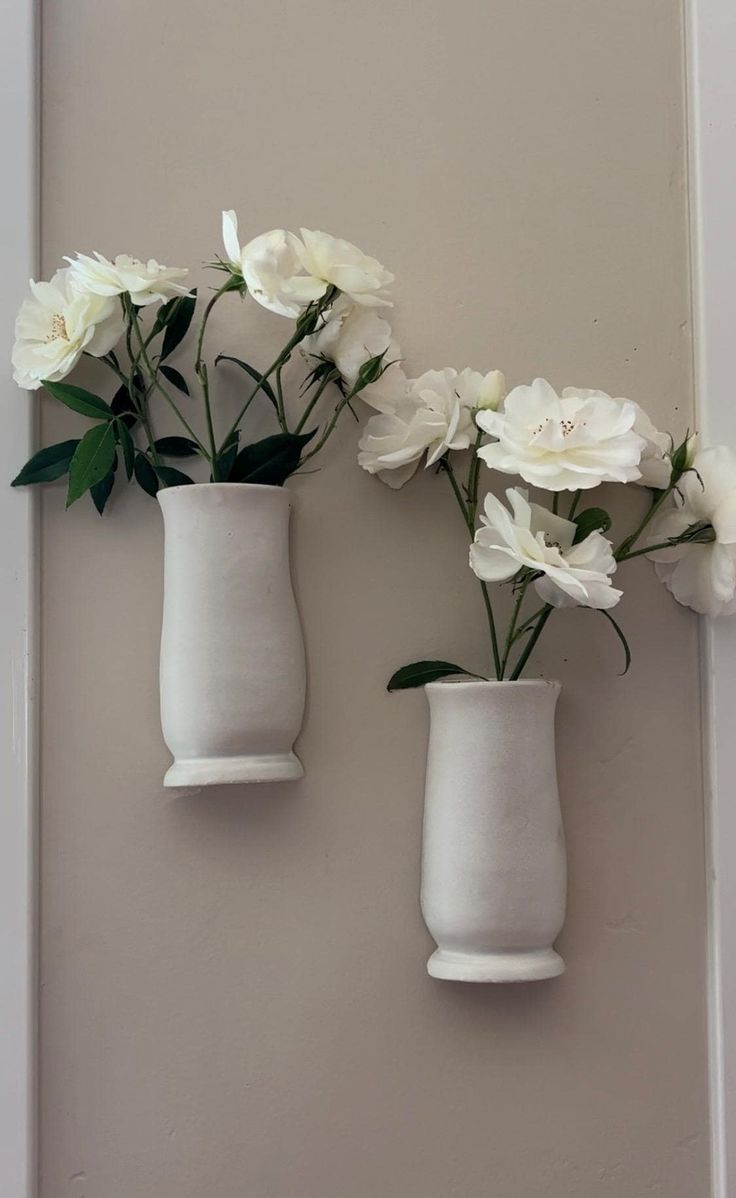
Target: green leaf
x=176 y=447
x=227 y=455
x=591 y=520
x=128 y=446
x=178 y=322
x=421 y=672
x=265 y=386
x=122 y=405
x=47 y=465
x=92 y=459
x=621 y=637
x=270 y=461
x=80 y=400
x=177 y=380
x=145 y=475
x=101 y=491
x=172 y=477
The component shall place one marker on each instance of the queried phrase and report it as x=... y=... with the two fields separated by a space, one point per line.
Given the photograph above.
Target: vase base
x=533 y=965
x=225 y=771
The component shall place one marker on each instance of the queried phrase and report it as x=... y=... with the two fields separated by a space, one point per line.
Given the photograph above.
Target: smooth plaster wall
x=234 y=999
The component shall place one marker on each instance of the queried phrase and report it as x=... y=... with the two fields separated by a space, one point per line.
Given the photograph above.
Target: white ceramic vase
x=493 y=861
x=233 y=675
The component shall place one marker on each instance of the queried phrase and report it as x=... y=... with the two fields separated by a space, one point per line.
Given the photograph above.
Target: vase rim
x=222 y=486
x=491 y=683
x=230 y=489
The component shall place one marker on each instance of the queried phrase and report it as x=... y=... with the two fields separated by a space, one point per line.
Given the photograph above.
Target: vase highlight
x=493 y=859
x=233 y=675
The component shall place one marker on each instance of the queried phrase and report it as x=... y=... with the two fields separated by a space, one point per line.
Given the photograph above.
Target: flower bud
x=492 y=391
x=371 y=371
x=682 y=457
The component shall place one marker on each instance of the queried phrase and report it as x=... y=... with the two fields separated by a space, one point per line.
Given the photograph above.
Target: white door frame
x=711 y=55
x=19 y=239
x=711 y=86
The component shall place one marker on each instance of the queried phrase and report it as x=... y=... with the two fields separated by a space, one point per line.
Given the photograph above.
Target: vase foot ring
x=531 y=966
x=224 y=771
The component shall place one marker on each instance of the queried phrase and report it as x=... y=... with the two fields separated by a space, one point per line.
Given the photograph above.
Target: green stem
x=140 y=410
x=556 y=502
x=143 y=357
x=281 y=408
x=622 y=552
x=468 y=512
x=330 y=378
x=200 y=369
x=330 y=426
x=518 y=669
x=303 y=329
x=449 y=471
x=626 y=557
x=574 y=505
x=473 y=480
x=512 y=626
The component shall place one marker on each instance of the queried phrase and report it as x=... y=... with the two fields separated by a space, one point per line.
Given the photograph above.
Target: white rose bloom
x=701 y=575
x=147 y=282
x=531 y=536
x=655 y=466
x=349 y=337
x=563 y=443
x=57 y=325
x=332 y=261
x=436 y=393
x=271 y=269
x=393 y=442
x=424 y=415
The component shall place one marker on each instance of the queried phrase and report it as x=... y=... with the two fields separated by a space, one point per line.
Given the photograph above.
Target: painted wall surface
x=234 y=997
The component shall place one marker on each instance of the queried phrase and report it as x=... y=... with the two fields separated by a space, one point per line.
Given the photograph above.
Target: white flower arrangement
x=131 y=315
x=564 y=445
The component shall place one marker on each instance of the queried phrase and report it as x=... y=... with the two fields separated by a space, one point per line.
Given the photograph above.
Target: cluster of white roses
x=327 y=285
x=571 y=442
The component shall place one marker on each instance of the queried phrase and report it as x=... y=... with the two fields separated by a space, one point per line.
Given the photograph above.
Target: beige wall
x=234 y=996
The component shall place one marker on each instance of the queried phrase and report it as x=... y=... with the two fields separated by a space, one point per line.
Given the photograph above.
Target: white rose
x=563 y=443
x=393 y=443
x=531 y=536
x=338 y=263
x=436 y=393
x=349 y=337
x=423 y=415
x=271 y=269
x=655 y=466
x=146 y=282
x=701 y=575
x=57 y=325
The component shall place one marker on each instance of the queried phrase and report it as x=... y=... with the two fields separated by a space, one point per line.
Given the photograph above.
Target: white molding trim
x=711 y=86
x=19 y=123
